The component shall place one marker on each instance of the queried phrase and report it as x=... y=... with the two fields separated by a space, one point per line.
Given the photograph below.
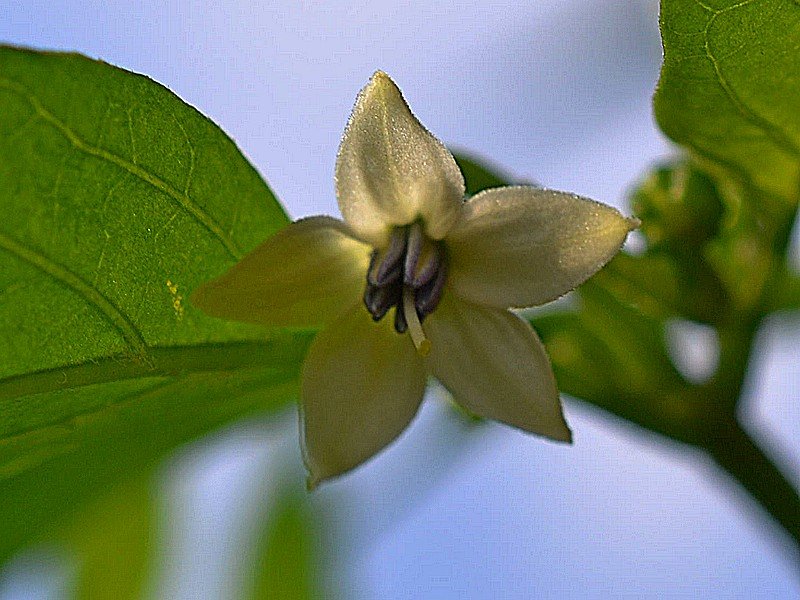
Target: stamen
x=373 y=267
x=428 y=263
x=400 y=325
x=416 y=239
x=422 y=343
x=428 y=297
x=379 y=300
x=385 y=266
x=408 y=274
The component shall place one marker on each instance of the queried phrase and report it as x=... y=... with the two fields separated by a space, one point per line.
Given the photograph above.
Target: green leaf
x=287 y=560
x=118 y=199
x=478 y=176
x=729 y=87
x=680 y=208
x=786 y=296
x=114 y=542
x=628 y=374
x=662 y=287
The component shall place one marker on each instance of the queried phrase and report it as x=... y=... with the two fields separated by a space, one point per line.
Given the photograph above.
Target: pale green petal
x=391 y=171
x=362 y=385
x=495 y=366
x=523 y=246
x=305 y=275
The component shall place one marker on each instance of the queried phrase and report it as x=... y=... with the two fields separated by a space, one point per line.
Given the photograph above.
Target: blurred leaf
x=730 y=85
x=787 y=296
x=114 y=541
x=679 y=206
x=662 y=287
x=611 y=355
x=714 y=231
x=287 y=568
x=478 y=176
x=745 y=262
x=118 y=199
x=728 y=92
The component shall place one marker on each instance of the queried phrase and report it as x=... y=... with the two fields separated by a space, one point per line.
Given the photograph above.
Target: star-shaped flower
x=447 y=269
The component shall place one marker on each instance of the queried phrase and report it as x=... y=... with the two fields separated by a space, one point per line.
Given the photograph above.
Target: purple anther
x=400 y=323
x=379 y=299
x=428 y=264
x=416 y=240
x=427 y=297
x=387 y=265
x=373 y=260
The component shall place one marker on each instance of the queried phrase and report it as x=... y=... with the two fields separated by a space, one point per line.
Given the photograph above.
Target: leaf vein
x=771 y=131
x=182 y=198
x=705 y=6
x=192 y=159
x=113 y=314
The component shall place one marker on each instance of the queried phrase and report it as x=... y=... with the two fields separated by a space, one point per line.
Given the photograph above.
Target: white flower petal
x=495 y=366
x=305 y=275
x=391 y=171
x=362 y=385
x=523 y=246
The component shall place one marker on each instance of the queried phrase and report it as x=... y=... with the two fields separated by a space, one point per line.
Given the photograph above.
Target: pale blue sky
x=556 y=91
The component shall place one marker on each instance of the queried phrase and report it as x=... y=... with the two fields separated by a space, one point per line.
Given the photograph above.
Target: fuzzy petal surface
x=305 y=275
x=495 y=366
x=391 y=171
x=523 y=246
x=362 y=384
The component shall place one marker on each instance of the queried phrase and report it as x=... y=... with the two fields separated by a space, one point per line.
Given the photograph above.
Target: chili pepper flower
x=416 y=282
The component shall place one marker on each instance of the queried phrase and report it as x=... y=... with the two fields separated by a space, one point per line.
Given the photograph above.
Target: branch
x=738 y=454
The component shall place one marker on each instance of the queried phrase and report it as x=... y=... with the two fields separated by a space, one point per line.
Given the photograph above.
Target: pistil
x=422 y=343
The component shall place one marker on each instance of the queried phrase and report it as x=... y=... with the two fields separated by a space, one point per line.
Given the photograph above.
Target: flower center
x=408 y=275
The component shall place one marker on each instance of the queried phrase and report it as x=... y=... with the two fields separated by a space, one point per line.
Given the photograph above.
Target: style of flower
x=446 y=269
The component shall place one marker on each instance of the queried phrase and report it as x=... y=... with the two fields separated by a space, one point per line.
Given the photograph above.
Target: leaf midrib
x=285 y=352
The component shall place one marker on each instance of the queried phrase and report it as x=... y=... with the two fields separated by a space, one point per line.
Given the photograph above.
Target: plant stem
x=727 y=442
x=738 y=454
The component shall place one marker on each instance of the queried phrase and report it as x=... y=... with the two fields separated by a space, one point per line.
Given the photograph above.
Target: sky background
x=554 y=91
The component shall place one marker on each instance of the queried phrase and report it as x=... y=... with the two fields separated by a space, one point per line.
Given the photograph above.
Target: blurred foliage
x=714 y=238
x=118 y=198
x=680 y=209
x=707 y=257
x=287 y=568
x=113 y=542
